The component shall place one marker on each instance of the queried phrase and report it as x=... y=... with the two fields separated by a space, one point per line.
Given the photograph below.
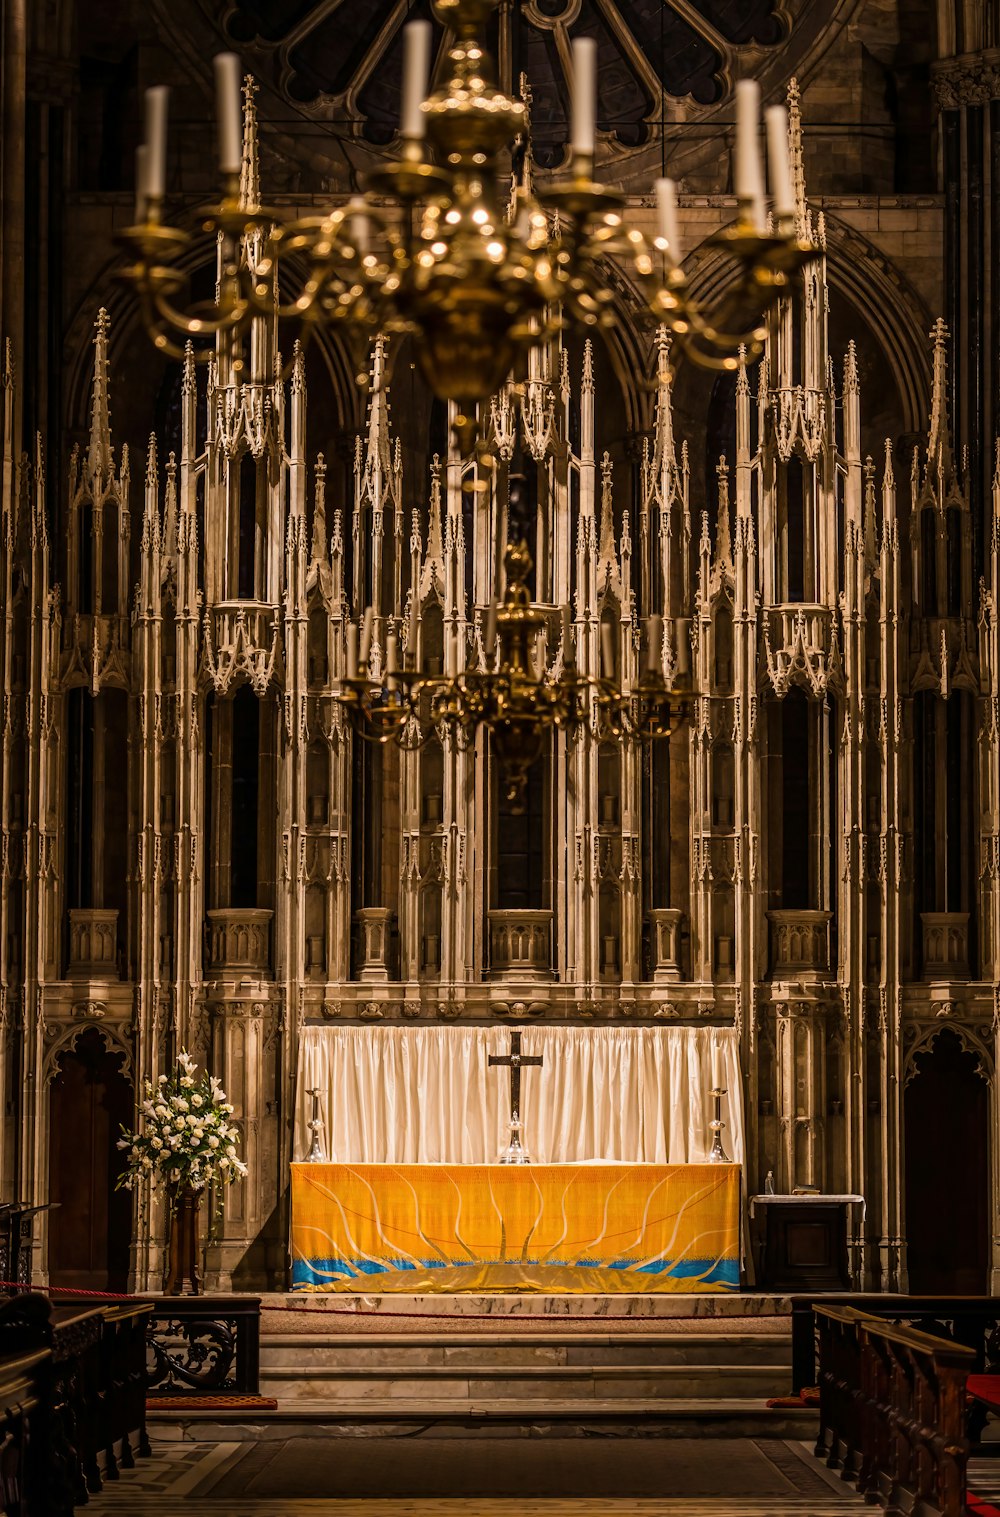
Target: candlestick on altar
x=718 y=1154
x=315 y=1126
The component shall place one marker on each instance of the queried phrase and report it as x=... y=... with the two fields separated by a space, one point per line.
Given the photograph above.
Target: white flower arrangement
x=186 y=1135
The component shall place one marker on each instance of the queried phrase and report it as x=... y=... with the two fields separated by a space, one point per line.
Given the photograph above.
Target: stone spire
x=939 y=483
x=169 y=539
x=150 y=514
x=250 y=170
x=318 y=549
x=723 y=538
x=378 y=472
x=522 y=167
x=803 y=220
x=100 y=457
x=660 y=474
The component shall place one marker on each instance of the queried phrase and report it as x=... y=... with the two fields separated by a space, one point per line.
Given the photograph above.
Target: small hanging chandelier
x=511 y=697
x=434 y=250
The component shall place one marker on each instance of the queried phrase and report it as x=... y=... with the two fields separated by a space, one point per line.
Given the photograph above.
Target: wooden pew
x=120 y=1392
x=892 y=1411
x=840 y=1389
x=971 y=1320
x=20 y=1429
x=63 y=1445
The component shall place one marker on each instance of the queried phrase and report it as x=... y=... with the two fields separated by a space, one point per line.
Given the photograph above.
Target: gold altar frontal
x=594 y=1228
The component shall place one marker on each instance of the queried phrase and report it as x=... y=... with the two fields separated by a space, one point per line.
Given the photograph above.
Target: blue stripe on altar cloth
x=722 y=1273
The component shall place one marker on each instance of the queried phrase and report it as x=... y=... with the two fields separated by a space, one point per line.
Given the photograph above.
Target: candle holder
x=718 y=1154
x=514 y=1153
x=315 y=1126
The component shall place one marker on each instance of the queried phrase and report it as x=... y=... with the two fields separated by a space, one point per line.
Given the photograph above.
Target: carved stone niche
x=93 y=942
x=238 y=941
x=800 y=944
x=373 y=927
x=666 y=922
x=946 y=945
x=521 y=945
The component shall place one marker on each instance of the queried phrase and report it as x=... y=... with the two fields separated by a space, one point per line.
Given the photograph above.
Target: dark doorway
x=91 y=1228
x=946 y=1114
x=522 y=883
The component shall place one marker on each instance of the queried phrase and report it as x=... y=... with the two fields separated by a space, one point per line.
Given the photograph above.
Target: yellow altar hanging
x=549 y=1227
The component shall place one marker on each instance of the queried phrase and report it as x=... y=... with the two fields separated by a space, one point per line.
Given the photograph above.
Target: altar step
x=574 y=1371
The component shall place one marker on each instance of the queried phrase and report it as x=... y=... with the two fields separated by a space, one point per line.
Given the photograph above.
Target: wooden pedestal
x=802 y=1243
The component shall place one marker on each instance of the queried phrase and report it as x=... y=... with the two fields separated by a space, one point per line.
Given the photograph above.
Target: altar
x=621 y=1196
x=602 y=1228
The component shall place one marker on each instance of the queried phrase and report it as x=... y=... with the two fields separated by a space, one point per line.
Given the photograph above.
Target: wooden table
x=586 y=1228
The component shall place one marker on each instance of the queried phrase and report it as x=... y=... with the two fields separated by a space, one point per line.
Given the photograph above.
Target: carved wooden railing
x=893 y=1411
x=203 y=1346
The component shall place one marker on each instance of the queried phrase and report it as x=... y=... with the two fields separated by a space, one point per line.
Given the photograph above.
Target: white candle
x=490 y=632
x=776 y=120
x=683 y=646
x=567 y=636
x=352 y=650
x=666 y=207
x=156 y=141
x=749 y=170
x=391 y=653
x=451 y=654
x=654 y=644
x=584 y=122
x=607 y=651
x=141 y=182
x=359 y=228
x=366 y=638
x=716 y=1067
x=227 y=97
x=416 y=70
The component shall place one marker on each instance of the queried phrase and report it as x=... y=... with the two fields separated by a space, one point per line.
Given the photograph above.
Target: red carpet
x=976 y=1507
x=808 y=1396
x=210 y=1403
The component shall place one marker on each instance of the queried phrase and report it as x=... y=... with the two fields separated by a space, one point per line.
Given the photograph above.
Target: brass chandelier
x=510 y=697
x=435 y=251
x=478 y=276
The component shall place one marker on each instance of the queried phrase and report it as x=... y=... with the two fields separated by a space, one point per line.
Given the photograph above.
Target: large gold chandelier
x=453 y=250
x=439 y=251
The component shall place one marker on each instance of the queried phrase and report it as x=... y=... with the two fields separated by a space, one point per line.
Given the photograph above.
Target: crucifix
x=516 y=1061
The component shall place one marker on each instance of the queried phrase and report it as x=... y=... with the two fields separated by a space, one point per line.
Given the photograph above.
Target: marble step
x=452 y=1384
x=506 y=1418
x=402 y=1350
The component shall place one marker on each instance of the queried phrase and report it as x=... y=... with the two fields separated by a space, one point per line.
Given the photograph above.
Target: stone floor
x=403 y=1478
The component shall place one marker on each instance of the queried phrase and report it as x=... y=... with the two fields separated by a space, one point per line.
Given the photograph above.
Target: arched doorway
x=90 y=1229
x=947 y=1131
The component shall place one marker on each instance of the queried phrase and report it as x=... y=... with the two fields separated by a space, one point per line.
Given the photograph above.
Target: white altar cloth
x=426 y=1095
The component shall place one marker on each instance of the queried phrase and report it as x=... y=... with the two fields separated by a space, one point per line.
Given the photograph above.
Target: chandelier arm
x=234 y=318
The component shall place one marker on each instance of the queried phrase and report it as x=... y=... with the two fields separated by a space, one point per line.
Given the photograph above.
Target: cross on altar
x=516 y=1060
